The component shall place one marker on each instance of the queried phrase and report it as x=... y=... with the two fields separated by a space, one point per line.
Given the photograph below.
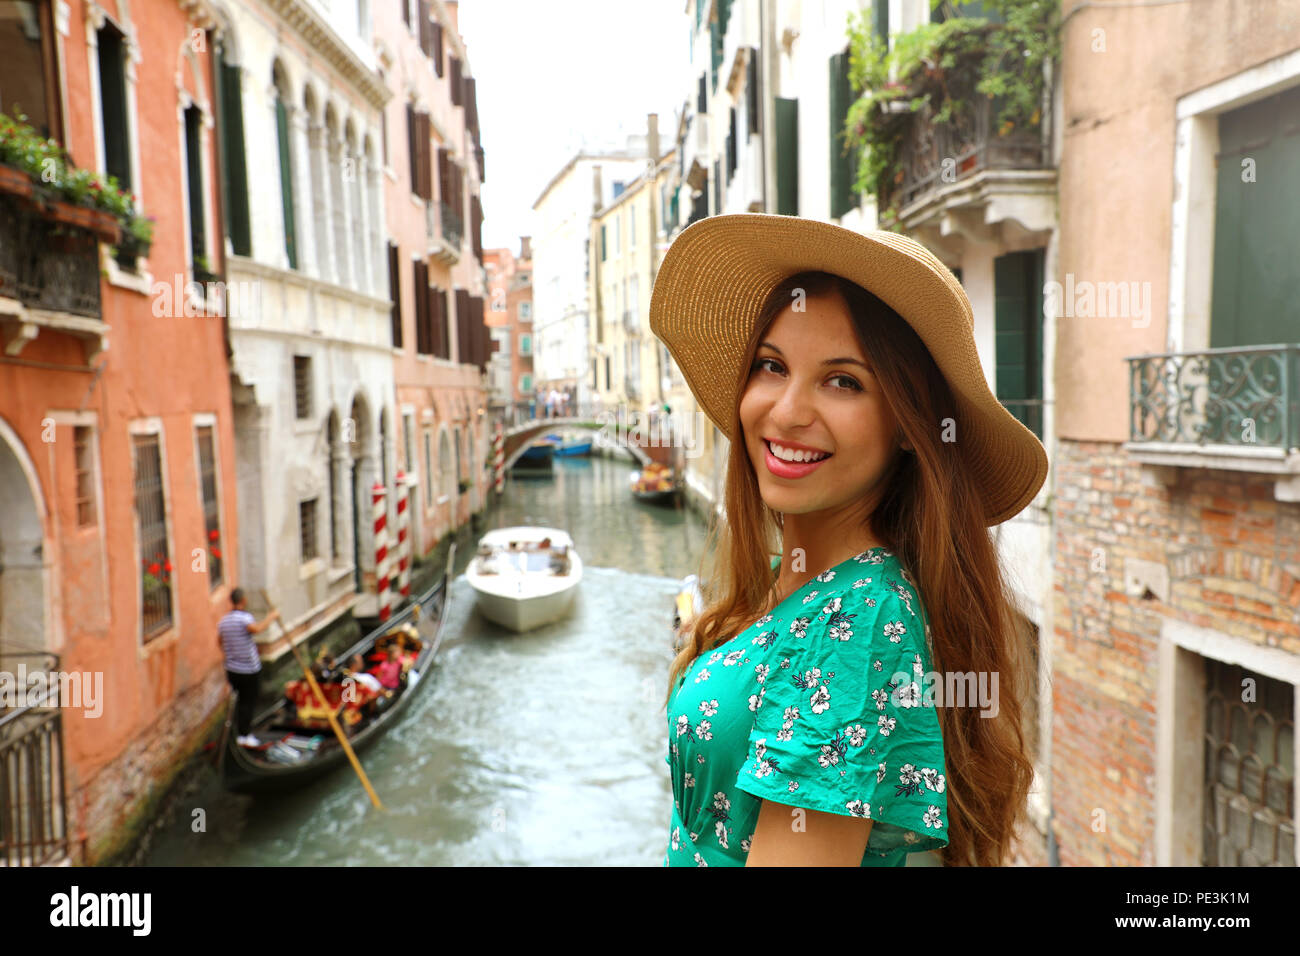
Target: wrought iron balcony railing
x=46 y=264
x=935 y=154
x=1248 y=396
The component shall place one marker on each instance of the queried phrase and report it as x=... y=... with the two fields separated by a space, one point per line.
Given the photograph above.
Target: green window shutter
x=880 y=19
x=843 y=161
x=234 y=160
x=1256 y=286
x=1018 y=345
x=603 y=252
x=194 y=175
x=787 y=156
x=286 y=183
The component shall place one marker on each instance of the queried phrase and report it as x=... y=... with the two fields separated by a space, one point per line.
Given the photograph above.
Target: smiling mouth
x=786 y=461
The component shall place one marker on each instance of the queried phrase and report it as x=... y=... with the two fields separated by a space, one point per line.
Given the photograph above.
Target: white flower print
x=799 y=626
x=764 y=768
x=857 y=735
x=785 y=663
x=878 y=665
x=791 y=714
x=858 y=808
x=688 y=780
x=720 y=801
x=932 y=818
x=880 y=697
x=861 y=582
x=895 y=631
x=918 y=666
x=720 y=830
x=908 y=775
x=933 y=779
x=903 y=595
x=760 y=747
x=869 y=602
x=880 y=774
x=700 y=759
x=785 y=733
x=676 y=838
x=694 y=837
x=812 y=677
x=909 y=695
x=832 y=606
x=760 y=672
x=709 y=708
x=827 y=575
x=887 y=725
x=793 y=786
x=811 y=595
x=756 y=700
x=703 y=675
x=703 y=730
x=763 y=620
x=744 y=844
x=715 y=657
x=733 y=658
x=683 y=725
x=820 y=700
x=870 y=557
x=699 y=860
x=829 y=756
x=764 y=639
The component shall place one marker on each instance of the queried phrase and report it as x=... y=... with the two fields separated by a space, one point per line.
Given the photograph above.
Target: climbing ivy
x=939 y=66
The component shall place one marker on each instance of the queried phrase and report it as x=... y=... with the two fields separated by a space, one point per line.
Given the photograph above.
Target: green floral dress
x=816 y=705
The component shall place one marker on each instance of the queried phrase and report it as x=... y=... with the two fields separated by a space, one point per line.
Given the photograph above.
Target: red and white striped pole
x=499 y=459
x=403 y=541
x=379 y=492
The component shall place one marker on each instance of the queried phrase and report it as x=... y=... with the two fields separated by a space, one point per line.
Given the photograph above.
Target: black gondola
x=247 y=770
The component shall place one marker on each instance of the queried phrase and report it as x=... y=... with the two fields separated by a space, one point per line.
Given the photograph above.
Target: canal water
x=542 y=748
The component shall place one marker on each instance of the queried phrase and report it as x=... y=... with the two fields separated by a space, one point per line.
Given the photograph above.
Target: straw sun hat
x=718 y=271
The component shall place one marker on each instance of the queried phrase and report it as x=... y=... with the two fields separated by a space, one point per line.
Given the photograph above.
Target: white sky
x=550 y=73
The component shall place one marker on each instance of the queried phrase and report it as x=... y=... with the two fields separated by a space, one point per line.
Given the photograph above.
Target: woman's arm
x=793 y=836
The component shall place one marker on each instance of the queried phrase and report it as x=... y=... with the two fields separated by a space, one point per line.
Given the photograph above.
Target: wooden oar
x=329 y=712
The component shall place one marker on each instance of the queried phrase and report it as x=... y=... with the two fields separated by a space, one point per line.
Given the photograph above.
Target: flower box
x=15 y=182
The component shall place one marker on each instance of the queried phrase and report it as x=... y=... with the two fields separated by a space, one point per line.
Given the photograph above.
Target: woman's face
x=812 y=386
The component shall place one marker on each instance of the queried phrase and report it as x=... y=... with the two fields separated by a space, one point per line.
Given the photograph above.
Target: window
x=395 y=293
x=607 y=373
x=525 y=345
x=1018 y=347
x=732 y=146
x=29 y=79
x=234 y=164
x=603 y=251
x=406 y=11
x=332 y=433
x=151 y=528
x=457 y=84
x=112 y=104
x=753 y=102
x=286 y=178
x=787 y=156
x=84 y=450
x=408 y=441
x=525 y=311
x=211 y=507
x=428 y=468
x=194 y=180
x=302 y=385
x=423 y=323
x=307 y=530
x=526 y=383
x=844 y=161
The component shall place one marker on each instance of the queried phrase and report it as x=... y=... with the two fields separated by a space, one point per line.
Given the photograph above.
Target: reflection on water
x=538 y=748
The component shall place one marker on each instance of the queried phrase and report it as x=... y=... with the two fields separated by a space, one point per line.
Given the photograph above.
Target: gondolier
x=243 y=663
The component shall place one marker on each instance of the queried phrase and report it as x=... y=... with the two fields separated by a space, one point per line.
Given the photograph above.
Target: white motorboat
x=525 y=576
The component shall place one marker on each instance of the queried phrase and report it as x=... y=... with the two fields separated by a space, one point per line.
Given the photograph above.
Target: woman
x=866 y=446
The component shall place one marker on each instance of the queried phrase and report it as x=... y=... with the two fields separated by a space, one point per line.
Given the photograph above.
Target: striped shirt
x=238 y=644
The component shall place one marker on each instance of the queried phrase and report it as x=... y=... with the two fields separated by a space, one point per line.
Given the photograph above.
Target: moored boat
x=525 y=576
x=655 y=483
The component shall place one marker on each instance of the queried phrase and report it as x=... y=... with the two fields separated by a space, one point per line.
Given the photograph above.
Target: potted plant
x=136 y=240
x=202 y=269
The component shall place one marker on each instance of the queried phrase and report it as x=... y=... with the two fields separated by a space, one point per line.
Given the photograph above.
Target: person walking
x=243 y=663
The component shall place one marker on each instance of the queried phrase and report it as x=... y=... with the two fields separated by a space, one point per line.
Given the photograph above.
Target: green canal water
x=543 y=748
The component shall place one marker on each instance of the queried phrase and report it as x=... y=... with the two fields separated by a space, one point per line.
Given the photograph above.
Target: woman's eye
x=851 y=385
x=758 y=364
x=845 y=382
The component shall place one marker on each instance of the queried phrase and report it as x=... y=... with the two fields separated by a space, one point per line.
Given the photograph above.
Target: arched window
x=286 y=165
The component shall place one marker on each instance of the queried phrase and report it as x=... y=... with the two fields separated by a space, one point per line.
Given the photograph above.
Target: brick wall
x=1232 y=553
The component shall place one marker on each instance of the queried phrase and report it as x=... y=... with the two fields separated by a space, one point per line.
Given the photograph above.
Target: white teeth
x=789 y=454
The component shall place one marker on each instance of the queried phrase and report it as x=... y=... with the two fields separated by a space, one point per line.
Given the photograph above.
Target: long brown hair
x=931 y=516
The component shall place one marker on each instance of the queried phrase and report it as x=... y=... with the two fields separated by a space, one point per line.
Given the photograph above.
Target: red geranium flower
x=154 y=569
x=212 y=535
x=168 y=566
x=216 y=552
